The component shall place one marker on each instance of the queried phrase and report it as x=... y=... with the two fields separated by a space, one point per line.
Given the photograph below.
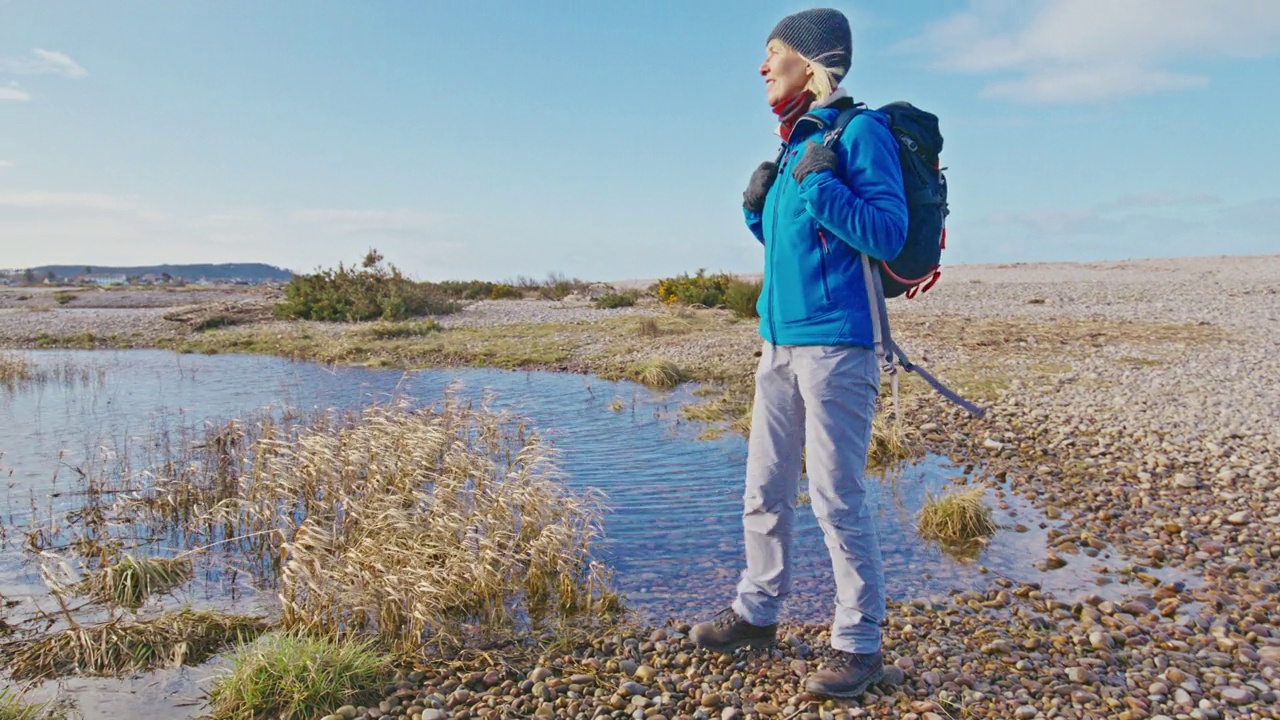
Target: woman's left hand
x=817 y=157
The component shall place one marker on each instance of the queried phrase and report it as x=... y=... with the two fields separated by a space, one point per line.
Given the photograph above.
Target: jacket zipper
x=826 y=250
x=773 y=310
x=786 y=158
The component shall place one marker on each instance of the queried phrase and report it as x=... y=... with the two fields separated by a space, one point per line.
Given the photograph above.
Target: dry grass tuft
x=15 y=369
x=290 y=676
x=960 y=522
x=658 y=373
x=889 y=442
x=123 y=646
x=129 y=582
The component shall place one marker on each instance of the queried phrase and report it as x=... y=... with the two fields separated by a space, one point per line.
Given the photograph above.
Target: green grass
x=296 y=677
x=398 y=330
x=13 y=708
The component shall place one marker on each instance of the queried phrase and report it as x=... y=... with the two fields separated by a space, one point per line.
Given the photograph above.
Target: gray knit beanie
x=821 y=35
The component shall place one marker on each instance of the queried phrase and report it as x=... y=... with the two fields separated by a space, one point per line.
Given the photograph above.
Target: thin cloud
x=100 y=202
x=1159 y=199
x=14 y=94
x=43 y=62
x=5 y=164
x=1064 y=51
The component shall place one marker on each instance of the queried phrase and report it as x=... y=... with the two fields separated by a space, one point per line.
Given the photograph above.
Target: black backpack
x=919 y=265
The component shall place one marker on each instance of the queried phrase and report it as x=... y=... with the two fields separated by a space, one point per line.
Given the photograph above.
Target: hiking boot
x=728 y=632
x=848 y=676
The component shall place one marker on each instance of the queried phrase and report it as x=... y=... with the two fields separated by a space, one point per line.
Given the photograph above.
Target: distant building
x=102 y=280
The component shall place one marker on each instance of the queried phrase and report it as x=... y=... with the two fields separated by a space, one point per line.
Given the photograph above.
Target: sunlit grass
x=296 y=677
x=960 y=521
x=658 y=373
x=12 y=707
x=129 y=582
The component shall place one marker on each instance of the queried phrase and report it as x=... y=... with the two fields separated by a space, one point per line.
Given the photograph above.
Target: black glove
x=817 y=157
x=761 y=180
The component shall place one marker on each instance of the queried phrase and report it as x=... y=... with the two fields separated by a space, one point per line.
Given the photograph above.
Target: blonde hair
x=822 y=80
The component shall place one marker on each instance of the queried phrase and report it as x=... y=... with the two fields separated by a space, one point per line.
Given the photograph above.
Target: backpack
x=918 y=265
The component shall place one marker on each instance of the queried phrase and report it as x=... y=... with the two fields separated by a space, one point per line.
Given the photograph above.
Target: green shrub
x=502 y=291
x=741 y=297
x=556 y=286
x=618 y=300
x=63 y=297
x=297 y=677
x=371 y=292
x=700 y=289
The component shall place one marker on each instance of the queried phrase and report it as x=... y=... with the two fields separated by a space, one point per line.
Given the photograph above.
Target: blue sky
x=609 y=140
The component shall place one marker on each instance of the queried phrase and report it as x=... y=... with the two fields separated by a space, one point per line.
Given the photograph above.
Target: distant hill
x=256 y=272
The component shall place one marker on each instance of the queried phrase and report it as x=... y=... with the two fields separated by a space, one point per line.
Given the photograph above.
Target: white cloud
x=14 y=93
x=5 y=164
x=43 y=62
x=1057 y=51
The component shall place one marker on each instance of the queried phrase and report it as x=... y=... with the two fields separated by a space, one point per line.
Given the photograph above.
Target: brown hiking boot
x=848 y=676
x=728 y=632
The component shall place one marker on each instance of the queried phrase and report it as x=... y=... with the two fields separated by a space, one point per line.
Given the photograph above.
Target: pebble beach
x=1139 y=409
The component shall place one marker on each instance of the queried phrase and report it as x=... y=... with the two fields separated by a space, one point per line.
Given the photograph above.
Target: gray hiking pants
x=820 y=399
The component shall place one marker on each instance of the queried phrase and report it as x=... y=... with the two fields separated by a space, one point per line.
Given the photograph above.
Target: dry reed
x=122 y=646
x=418 y=522
x=15 y=369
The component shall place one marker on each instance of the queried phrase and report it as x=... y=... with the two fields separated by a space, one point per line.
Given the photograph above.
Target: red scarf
x=790 y=110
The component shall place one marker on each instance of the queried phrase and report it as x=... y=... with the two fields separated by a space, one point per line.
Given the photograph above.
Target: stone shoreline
x=1137 y=405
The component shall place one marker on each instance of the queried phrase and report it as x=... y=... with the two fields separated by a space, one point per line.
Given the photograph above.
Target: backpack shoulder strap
x=842 y=121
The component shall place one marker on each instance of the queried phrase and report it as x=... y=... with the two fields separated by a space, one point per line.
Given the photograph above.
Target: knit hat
x=821 y=35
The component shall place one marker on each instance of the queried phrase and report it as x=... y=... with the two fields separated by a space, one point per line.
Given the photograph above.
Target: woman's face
x=785 y=73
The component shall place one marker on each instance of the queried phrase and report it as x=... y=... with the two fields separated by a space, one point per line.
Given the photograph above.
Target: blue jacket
x=814 y=231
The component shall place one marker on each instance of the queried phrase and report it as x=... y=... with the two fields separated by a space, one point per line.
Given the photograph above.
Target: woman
x=816 y=211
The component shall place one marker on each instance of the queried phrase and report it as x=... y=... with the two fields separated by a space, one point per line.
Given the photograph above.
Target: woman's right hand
x=761 y=180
